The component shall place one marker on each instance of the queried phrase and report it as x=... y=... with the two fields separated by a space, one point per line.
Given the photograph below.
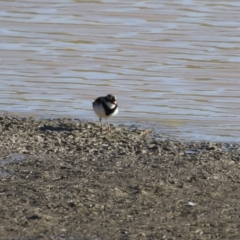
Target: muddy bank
x=63 y=179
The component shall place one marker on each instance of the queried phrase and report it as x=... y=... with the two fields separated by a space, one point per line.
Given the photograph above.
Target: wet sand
x=63 y=179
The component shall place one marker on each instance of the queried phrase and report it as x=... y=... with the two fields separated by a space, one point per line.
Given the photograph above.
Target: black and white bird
x=105 y=107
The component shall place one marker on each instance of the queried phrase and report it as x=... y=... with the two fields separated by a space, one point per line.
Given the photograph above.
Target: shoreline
x=61 y=177
x=177 y=130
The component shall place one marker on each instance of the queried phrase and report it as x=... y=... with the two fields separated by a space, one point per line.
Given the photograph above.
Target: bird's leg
x=108 y=125
x=101 y=124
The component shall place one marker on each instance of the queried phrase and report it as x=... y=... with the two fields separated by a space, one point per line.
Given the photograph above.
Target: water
x=173 y=65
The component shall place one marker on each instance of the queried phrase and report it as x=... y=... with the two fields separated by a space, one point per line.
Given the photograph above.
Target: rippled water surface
x=173 y=65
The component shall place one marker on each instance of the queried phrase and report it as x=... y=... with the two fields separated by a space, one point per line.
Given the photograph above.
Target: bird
x=105 y=107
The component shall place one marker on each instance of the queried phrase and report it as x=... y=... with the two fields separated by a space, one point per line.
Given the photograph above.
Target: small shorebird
x=105 y=107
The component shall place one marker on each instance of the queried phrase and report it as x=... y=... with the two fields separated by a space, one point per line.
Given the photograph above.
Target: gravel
x=64 y=179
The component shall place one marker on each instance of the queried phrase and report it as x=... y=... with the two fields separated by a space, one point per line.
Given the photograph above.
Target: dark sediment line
x=63 y=179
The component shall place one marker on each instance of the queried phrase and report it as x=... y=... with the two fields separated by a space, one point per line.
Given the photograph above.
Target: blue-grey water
x=173 y=65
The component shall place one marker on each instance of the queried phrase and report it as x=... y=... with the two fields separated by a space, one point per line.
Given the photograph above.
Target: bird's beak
x=114 y=102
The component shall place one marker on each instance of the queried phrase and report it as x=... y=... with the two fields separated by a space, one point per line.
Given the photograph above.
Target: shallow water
x=174 y=66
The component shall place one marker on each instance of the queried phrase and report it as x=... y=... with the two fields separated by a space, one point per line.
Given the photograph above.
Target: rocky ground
x=63 y=179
